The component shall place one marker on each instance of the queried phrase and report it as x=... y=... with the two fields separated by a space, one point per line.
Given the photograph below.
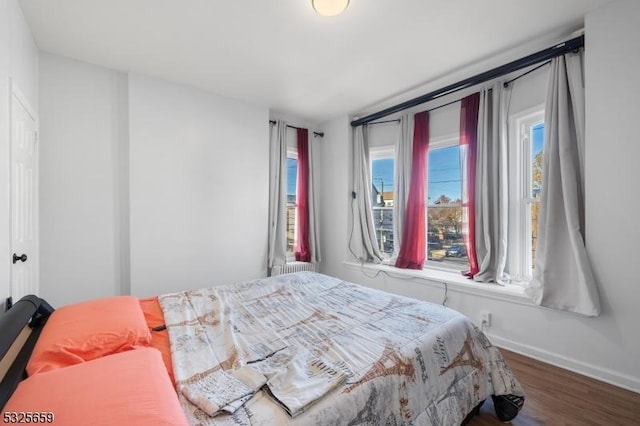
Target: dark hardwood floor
x=555 y=396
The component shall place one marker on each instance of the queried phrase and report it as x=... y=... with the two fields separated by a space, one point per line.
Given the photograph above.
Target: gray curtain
x=562 y=276
x=314 y=240
x=277 y=250
x=402 y=176
x=492 y=200
x=362 y=242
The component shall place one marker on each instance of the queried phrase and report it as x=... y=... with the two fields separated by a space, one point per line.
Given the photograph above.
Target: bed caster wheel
x=507 y=406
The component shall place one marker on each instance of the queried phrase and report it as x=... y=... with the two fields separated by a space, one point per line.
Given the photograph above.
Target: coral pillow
x=130 y=388
x=159 y=339
x=84 y=331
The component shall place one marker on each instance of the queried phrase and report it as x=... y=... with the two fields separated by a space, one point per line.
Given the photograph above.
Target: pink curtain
x=413 y=248
x=468 y=148
x=302 y=251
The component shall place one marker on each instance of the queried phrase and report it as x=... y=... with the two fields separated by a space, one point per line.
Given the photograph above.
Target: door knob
x=17 y=258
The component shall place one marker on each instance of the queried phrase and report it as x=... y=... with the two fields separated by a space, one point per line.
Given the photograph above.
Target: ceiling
x=281 y=54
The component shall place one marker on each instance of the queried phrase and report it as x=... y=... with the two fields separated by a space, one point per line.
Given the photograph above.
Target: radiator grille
x=293 y=267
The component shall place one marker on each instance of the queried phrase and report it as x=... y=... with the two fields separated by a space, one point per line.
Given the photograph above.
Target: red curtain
x=413 y=248
x=468 y=141
x=302 y=250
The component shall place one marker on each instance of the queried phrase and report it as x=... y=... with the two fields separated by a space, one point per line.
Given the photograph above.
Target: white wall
x=83 y=140
x=334 y=194
x=18 y=63
x=199 y=188
x=23 y=54
x=146 y=187
x=612 y=178
x=606 y=347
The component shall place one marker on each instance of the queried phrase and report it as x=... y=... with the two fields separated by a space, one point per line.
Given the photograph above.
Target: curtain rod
x=543 y=55
x=397 y=120
x=318 y=134
x=518 y=77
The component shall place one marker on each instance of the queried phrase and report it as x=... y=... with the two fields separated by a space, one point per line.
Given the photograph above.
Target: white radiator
x=293 y=267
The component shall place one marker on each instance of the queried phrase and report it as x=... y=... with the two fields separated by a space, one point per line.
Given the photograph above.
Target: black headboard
x=32 y=311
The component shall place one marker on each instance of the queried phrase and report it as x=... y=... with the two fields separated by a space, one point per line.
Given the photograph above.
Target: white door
x=24 y=198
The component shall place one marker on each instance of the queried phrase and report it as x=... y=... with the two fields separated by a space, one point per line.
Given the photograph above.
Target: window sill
x=455 y=282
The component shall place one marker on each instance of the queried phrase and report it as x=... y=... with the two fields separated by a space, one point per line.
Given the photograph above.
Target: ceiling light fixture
x=329 y=7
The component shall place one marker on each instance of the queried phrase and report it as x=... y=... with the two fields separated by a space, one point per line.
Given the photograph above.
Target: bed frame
x=21 y=326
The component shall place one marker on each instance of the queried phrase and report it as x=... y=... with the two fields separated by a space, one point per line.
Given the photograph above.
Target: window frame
x=383 y=153
x=292 y=153
x=445 y=141
x=519 y=148
x=519 y=263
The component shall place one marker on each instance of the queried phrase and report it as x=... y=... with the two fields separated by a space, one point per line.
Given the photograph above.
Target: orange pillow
x=131 y=388
x=84 y=331
x=159 y=339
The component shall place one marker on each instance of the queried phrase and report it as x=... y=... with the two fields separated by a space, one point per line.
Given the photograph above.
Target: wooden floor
x=559 y=397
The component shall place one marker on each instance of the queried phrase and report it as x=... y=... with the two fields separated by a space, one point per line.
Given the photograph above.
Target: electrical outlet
x=485 y=319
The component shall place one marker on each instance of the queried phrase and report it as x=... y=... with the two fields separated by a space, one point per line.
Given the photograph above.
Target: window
x=445 y=227
x=536 y=145
x=382 y=193
x=292 y=205
x=528 y=142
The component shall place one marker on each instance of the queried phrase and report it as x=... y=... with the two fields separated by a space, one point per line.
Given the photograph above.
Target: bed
x=298 y=349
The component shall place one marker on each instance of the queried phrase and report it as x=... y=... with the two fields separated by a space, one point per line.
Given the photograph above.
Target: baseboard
x=598 y=373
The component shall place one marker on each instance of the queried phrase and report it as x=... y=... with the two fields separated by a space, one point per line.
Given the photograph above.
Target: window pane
x=537 y=152
x=444 y=180
x=537 y=145
x=445 y=241
x=292 y=180
x=535 y=208
x=382 y=194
